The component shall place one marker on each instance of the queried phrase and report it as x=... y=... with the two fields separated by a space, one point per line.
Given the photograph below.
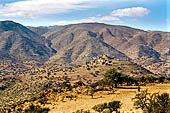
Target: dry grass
x=123 y=95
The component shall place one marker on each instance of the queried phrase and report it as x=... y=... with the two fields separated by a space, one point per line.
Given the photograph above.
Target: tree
x=152 y=103
x=145 y=101
x=161 y=79
x=91 y=91
x=142 y=79
x=162 y=103
x=112 y=77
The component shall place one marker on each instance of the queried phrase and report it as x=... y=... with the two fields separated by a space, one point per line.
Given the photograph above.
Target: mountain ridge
x=21 y=44
x=79 y=43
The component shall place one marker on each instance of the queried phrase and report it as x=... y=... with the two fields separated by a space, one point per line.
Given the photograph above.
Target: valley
x=38 y=61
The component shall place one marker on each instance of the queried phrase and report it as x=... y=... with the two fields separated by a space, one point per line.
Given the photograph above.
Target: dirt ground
x=124 y=95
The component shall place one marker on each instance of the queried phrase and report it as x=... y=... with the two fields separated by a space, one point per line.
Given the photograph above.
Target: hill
x=29 y=80
x=18 y=43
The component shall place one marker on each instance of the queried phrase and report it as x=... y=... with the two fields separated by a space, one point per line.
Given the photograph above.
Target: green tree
x=145 y=101
x=112 y=77
x=162 y=103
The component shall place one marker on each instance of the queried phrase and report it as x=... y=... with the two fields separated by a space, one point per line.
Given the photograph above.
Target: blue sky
x=143 y=14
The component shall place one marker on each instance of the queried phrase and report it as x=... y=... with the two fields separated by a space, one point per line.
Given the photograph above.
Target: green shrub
x=100 y=107
x=82 y=111
x=114 y=106
x=106 y=111
x=108 y=107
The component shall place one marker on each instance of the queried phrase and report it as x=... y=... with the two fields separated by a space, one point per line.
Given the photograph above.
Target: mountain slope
x=18 y=43
x=76 y=45
x=134 y=43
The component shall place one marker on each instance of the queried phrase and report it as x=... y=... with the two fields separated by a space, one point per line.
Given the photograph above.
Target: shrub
x=100 y=107
x=168 y=78
x=161 y=79
x=106 y=111
x=43 y=100
x=82 y=111
x=114 y=106
x=36 y=109
x=109 y=107
x=77 y=84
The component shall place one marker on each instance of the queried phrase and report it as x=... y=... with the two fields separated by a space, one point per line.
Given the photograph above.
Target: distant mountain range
x=42 y=29
x=79 y=43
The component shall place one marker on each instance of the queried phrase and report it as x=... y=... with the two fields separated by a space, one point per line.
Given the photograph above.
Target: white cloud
x=115 y=16
x=36 y=8
x=131 y=12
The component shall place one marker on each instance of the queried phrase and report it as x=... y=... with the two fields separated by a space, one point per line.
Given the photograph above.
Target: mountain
x=42 y=29
x=39 y=30
x=77 y=45
x=134 y=43
x=18 y=43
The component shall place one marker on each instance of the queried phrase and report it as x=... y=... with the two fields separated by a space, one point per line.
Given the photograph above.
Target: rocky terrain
x=134 y=43
x=18 y=43
x=33 y=79
x=81 y=42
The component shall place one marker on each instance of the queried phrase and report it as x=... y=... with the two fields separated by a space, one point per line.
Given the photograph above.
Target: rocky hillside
x=80 y=42
x=134 y=43
x=18 y=43
x=76 y=44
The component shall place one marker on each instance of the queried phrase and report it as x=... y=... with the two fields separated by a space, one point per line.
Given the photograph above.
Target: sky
x=142 y=14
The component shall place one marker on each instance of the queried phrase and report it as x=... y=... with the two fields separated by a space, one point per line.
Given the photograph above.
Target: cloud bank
x=36 y=8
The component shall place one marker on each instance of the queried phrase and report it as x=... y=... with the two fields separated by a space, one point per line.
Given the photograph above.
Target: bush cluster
x=111 y=106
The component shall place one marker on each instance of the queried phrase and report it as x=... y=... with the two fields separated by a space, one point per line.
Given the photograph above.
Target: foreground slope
x=36 y=79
